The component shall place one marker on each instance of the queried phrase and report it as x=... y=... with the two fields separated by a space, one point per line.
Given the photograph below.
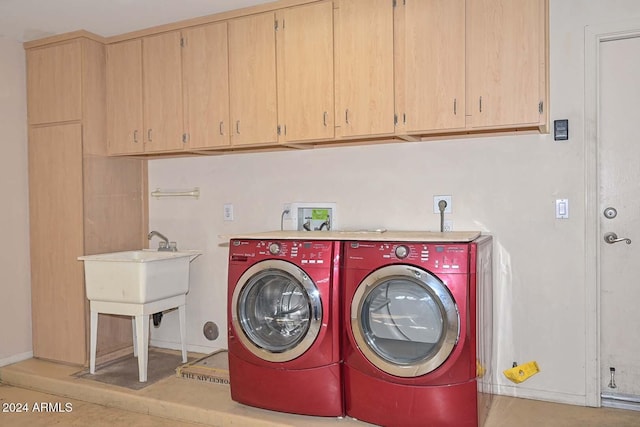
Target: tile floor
x=174 y=401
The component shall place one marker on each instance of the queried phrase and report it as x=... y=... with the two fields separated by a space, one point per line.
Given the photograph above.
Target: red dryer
x=284 y=317
x=412 y=352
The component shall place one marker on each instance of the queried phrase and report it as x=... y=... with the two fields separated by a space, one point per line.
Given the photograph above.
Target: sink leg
x=135 y=340
x=94 y=341
x=183 y=331
x=142 y=337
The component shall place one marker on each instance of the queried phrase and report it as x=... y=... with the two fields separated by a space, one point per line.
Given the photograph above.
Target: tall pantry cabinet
x=81 y=201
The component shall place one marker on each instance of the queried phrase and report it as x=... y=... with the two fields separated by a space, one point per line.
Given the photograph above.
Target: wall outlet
x=228 y=212
x=436 y=200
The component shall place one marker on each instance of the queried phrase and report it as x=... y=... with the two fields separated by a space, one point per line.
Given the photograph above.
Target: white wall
x=15 y=288
x=504 y=185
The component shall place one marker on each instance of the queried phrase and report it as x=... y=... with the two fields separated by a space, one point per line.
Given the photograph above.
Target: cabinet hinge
x=541 y=107
x=185 y=138
x=182 y=42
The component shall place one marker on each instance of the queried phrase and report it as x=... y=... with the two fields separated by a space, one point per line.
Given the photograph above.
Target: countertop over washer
x=368 y=235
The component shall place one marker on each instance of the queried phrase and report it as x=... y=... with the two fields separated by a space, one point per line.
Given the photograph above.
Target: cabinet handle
x=149 y=135
x=324 y=119
x=455 y=106
x=480 y=103
x=238 y=127
x=346 y=116
x=221 y=127
x=135 y=136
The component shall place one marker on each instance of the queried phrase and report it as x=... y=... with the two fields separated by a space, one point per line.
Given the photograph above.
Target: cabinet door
x=162 y=92
x=124 y=98
x=305 y=72
x=56 y=224
x=364 y=58
x=206 y=86
x=54 y=83
x=431 y=65
x=252 y=79
x=506 y=62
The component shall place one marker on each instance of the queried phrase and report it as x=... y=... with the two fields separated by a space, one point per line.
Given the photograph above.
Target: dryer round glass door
x=277 y=311
x=404 y=320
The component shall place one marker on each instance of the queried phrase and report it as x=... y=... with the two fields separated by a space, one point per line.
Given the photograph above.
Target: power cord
x=284 y=212
x=442 y=205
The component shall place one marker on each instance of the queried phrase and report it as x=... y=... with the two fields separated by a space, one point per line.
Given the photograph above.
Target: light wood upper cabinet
x=305 y=72
x=144 y=95
x=124 y=98
x=205 y=64
x=364 y=63
x=430 y=65
x=54 y=83
x=311 y=71
x=162 y=91
x=506 y=60
x=252 y=80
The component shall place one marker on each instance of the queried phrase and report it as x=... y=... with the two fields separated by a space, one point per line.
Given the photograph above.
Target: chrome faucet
x=164 y=245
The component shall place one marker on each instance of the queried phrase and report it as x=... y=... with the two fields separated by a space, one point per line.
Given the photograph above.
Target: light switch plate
x=562 y=208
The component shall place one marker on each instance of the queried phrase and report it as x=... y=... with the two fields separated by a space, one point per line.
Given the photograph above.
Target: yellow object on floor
x=480 y=370
x=519 y=373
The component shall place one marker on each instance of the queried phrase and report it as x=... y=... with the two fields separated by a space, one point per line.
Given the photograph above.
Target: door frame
x=594 y=35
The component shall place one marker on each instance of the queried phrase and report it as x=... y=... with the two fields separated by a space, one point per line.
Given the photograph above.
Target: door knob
x=612 y=238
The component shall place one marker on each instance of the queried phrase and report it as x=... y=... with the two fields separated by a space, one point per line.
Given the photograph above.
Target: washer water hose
x=442 y=205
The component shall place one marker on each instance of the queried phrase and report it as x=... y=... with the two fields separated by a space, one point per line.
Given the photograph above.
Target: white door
x=619 y=176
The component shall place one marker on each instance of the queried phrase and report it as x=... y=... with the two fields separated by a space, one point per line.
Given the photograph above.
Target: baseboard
x=621 y=401
x=171 y=345
x=16 y=358
x=544 y=395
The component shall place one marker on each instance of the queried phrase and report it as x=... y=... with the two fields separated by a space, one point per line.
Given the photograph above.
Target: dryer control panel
x=302 y=252
x=435 y=257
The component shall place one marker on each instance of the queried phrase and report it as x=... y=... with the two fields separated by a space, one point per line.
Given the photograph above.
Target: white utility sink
x=137 y=277
x=138 y=284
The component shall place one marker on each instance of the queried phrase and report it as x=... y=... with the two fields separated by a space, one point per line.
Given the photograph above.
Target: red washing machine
x=412 y=349
x=284 y=317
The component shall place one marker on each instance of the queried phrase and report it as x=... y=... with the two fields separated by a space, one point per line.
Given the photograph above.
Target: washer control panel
x=307 y=252
x=442 y=257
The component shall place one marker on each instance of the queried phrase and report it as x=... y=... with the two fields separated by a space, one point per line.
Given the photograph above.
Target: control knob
x=402 y=251
x=274 y=248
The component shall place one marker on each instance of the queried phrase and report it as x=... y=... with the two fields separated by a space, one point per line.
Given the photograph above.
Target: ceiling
x=25 y=20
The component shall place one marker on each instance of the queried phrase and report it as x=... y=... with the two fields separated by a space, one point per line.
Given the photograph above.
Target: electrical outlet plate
x=228 y=212
x=436 y=200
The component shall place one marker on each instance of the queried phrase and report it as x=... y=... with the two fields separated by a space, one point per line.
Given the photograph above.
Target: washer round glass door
x=404 y=320
x=276 y=311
